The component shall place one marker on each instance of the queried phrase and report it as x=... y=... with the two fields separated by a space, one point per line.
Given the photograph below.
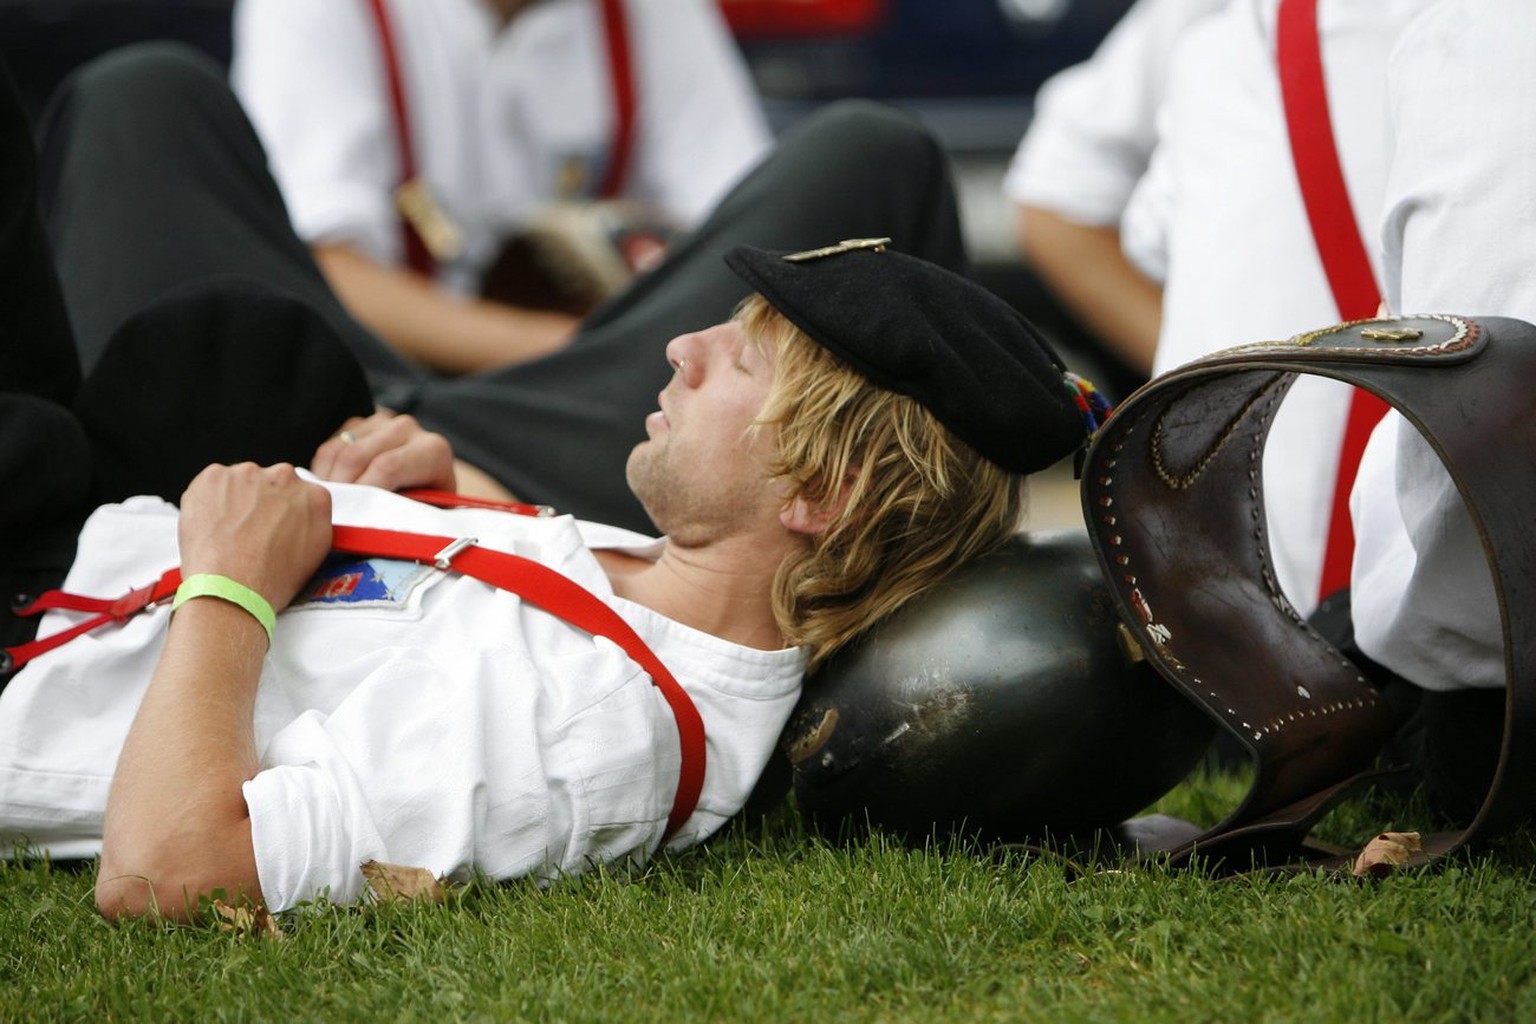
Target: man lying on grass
x=858 y=429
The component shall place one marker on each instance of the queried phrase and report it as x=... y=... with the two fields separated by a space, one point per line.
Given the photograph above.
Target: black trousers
x=153 y=180
x=219 y=367
x=1445 y=743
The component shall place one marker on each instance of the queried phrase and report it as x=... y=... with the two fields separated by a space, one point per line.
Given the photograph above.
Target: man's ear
x=802 y=515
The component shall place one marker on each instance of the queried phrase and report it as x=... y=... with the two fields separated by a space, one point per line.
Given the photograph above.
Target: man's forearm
x=448 y=333
x=1087 y=270
x=176 y=824
x=474 y=482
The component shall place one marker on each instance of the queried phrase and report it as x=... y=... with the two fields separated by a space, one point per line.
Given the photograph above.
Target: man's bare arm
x=474 y=482
x=448 y=333
x=1085 y=267
x=177 y=826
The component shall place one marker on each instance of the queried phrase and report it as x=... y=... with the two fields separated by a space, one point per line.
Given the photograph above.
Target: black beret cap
x=917 y=329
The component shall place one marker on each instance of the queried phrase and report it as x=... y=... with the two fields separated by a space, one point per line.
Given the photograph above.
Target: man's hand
x=386 y=450
x=262 y=526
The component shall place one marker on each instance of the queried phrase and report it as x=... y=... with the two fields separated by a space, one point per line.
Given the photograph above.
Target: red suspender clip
x=1339 y=244
x=539 y=585
x=119 y=609
x=418 y=256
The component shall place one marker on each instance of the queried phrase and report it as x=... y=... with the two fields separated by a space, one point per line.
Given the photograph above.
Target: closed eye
x=745 y=359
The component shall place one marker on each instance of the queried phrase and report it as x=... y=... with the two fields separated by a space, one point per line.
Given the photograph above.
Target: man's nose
x=685 y=355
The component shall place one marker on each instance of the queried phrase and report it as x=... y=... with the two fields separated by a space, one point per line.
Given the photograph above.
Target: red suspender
x=448 y=499
x=562 y=597
x=106 y=610
x=1307 y=119
x=1339 y=244
x=417 y=256
x=539 y=585
x=621 y=79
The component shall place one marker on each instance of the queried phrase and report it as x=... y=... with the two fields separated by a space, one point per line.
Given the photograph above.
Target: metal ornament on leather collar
x=1173 y=498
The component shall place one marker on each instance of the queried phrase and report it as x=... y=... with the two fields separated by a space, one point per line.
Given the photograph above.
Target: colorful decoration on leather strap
x=1094 y=406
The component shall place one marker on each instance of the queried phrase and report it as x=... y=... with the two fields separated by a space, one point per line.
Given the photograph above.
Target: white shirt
x=407 y=715
x=1092 y=130
x=1459 y=233
x=1219 y=218
x=502 y=121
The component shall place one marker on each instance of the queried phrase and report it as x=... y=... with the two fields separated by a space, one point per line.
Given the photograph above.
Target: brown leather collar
x=1173 y=498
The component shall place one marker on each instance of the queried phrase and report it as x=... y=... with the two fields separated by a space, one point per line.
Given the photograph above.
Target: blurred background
x=967 y=68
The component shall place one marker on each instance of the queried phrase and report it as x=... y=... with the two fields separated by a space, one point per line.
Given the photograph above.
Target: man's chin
x=640 y=474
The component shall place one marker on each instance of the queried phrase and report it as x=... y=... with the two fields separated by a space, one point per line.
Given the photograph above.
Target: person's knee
x=142 y=81
x=877 y=132
x=220 y=369
x=45 y=465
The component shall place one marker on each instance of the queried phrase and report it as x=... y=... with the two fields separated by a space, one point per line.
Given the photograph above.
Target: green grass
x=779 y=927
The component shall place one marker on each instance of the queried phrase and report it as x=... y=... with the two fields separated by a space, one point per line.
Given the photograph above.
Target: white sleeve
x=1459 y=236
x=312 y=80
x=326 y=801
x=1421 y=596
x=1459 y=228
x=700 y=126
x=409 y=769
x=1178 y=128
x=1146 y=222
x=1093 y=126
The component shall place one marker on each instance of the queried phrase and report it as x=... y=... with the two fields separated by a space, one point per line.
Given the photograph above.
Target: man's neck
x=726 y=593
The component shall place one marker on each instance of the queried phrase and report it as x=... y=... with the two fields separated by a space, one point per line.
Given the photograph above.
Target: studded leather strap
x=1173 y=496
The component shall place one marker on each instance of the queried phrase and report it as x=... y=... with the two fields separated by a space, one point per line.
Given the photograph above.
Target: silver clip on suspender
x=444 y=558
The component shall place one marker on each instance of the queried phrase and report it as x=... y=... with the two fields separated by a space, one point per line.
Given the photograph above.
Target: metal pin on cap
x=846 y=245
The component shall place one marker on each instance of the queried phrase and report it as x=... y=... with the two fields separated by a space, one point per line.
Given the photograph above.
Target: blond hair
x=908 y=500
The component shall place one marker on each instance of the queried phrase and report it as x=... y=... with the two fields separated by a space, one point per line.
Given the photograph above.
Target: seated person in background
x=1458 y=233
x=1219 y=217
x=861 y=426
x=504 y=107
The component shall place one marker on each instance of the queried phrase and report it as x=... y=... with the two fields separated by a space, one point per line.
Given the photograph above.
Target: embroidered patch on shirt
x=362 y=583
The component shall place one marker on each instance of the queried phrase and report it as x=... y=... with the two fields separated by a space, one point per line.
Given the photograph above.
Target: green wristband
x=207 y=584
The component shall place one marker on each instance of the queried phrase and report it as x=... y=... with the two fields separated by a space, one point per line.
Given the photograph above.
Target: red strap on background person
x=539 y=585
x=417 y=256
x=621 y=78
x=1339 y=244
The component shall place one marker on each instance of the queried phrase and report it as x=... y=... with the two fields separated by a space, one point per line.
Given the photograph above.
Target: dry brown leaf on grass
x=398 y=883
x=1387 y=852
x=246 y=921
